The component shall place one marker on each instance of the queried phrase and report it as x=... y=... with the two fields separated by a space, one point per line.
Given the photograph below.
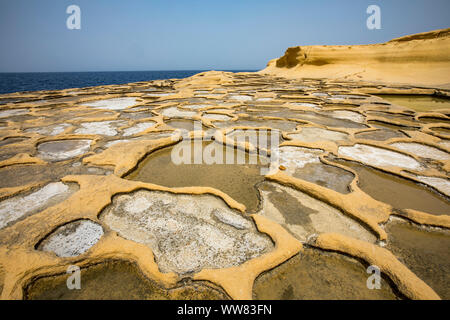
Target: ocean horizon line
x=12 y=82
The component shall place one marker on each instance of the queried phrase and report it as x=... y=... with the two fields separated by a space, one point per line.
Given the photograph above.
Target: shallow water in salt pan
x=398 y=192
x=425 y=252
x=117 y=280
x=236 y=180
x=315 y=274
x=417 y=102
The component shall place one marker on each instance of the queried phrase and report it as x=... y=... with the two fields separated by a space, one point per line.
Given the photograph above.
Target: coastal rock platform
x=86 y=180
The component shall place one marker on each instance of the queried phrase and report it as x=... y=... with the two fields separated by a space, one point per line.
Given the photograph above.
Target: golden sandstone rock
x=78 y=156
x=422 y=60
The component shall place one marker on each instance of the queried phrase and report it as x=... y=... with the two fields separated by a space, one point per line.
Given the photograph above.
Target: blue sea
x=35 y=81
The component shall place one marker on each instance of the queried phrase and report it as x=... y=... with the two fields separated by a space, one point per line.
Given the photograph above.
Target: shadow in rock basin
x=236 y=180
x=315 y=274
x=116 y=280
x=425 y=251
x=398 y=192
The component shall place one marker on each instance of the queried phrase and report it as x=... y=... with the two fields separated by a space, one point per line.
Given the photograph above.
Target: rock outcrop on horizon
x=421 y=59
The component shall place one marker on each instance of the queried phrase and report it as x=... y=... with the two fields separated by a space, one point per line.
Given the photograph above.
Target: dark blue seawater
x=35 y=81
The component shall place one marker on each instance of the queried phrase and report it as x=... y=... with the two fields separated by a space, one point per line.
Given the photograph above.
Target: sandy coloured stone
x=190 y=230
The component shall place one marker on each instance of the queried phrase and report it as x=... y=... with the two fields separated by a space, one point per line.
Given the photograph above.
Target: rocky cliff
x=419 y=59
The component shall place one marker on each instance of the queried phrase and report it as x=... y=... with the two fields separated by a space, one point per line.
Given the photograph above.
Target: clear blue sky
x=196 y=34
